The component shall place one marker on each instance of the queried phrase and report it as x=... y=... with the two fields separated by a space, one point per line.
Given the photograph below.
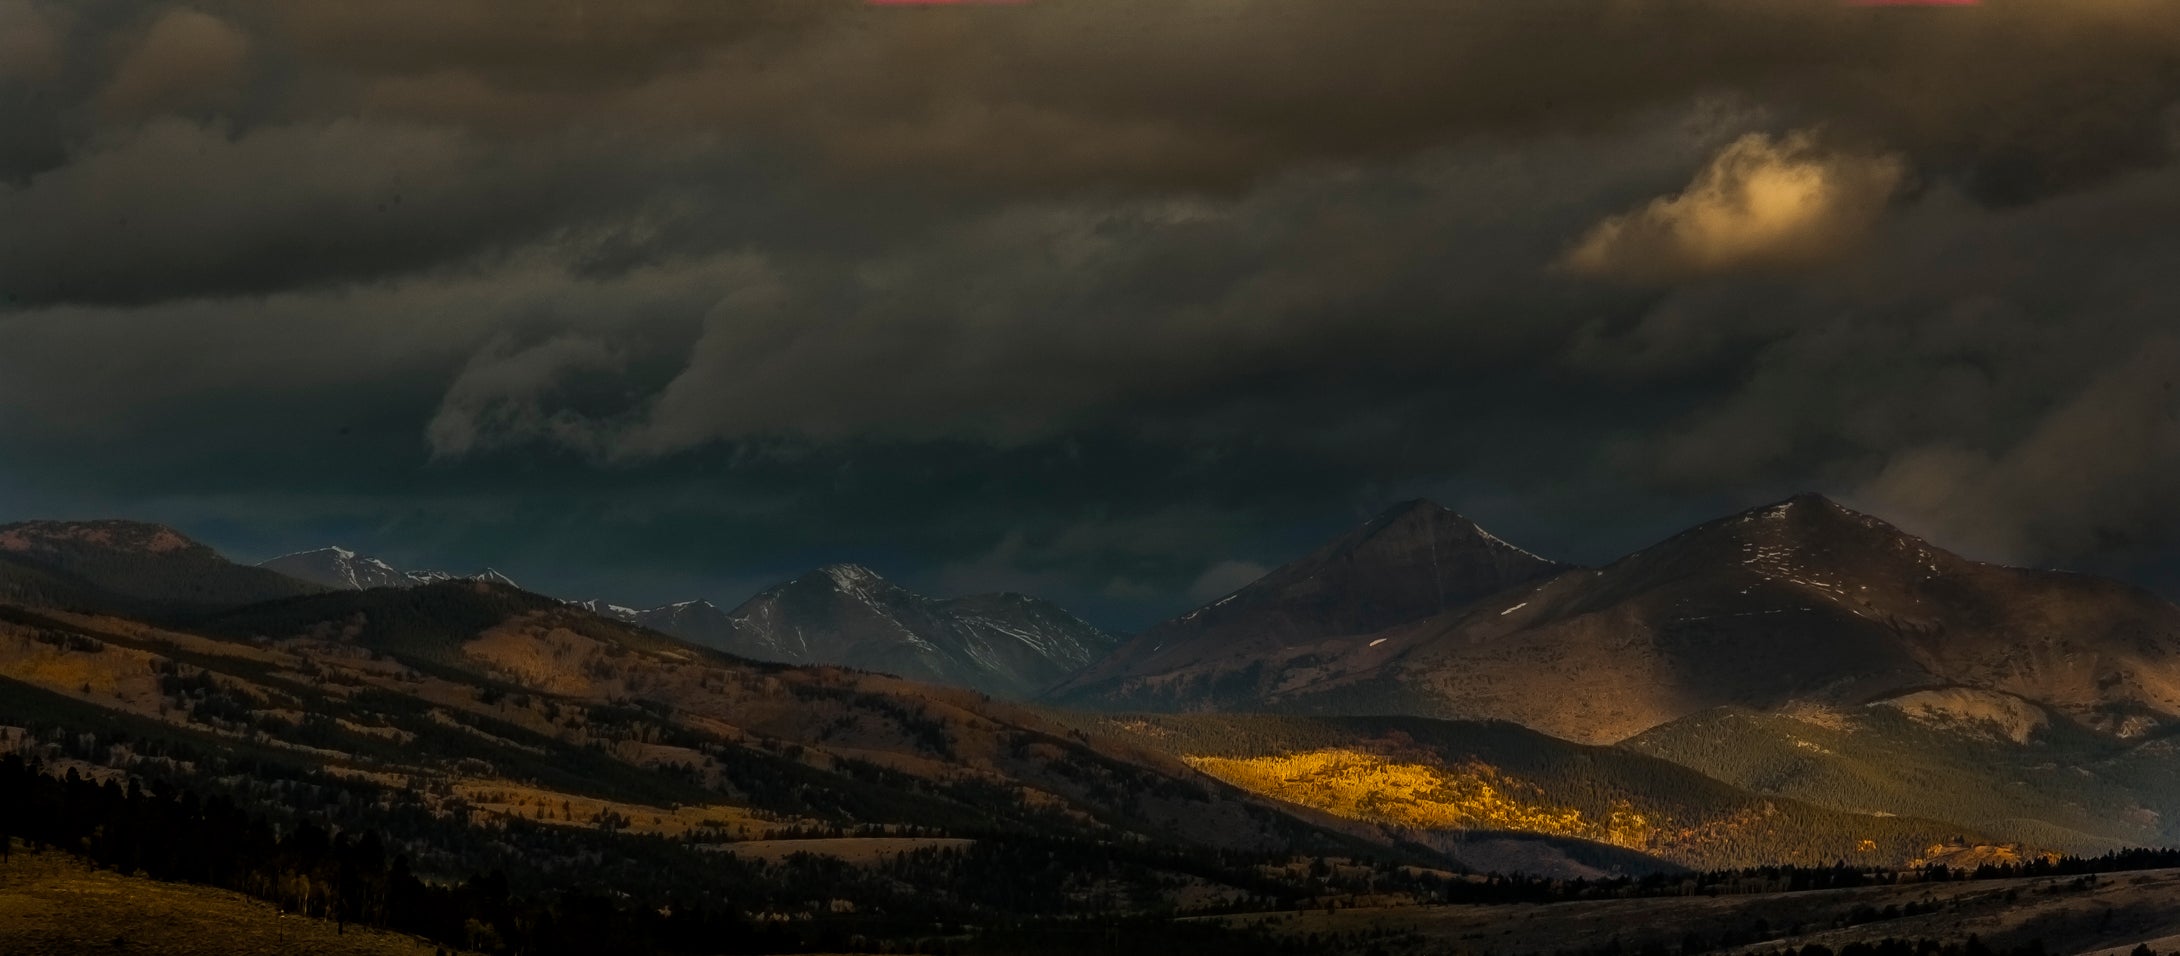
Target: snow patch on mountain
x=338 y=567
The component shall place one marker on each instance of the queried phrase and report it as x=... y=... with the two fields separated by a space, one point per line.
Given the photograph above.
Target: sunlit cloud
x=1762 y=203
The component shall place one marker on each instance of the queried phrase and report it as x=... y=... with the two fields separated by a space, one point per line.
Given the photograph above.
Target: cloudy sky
x=1114 y=301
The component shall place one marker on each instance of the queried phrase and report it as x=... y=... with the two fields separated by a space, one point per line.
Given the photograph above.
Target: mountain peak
x=852 y=576
x=333 y=551
x=1803 y=531
x=1808 y=513
x=1415 y=511
x=1413 y=561
x=1431 y=519
x=1809 y=502
x=1412 y=506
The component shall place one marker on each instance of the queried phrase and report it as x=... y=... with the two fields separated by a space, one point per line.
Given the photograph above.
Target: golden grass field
x=1364 y=786
x=52 y=904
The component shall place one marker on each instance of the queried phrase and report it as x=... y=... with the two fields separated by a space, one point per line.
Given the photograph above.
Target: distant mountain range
x=1416 y=611
x=1008 y=645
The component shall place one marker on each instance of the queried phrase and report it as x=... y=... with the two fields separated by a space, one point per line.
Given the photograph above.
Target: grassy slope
x=2065 y=789
x=52 y=904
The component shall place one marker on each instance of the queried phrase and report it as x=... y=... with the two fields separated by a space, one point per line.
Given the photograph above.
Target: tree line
x=344 y=877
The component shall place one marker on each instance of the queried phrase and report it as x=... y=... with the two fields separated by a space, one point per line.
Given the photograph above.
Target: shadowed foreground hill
x=491 y=686
x=53 y=904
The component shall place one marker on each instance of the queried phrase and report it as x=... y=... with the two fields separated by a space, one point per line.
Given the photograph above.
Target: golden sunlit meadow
x=1364 y=786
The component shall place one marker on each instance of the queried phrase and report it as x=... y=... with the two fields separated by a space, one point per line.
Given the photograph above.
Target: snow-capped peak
x=338 y=567
x=847 y=614
x=852 y=575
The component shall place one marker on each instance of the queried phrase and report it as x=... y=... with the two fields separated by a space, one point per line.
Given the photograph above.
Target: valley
x=1355 y=749
x=1090 y=477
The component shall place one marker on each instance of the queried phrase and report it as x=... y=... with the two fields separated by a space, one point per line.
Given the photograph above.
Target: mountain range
x=1797 y=683
x=1421 y=611
x=494 y=690
x=1416 y=611
x=1802 y=600
x=1007 y=645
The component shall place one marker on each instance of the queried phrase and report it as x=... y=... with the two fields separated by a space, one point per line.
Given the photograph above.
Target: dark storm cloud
x=1113 y=300
x=2029 y=93
x=1039 y=318
x=176 y=209
x=199 y=142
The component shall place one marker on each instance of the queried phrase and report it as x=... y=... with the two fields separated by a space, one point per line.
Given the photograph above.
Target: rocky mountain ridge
x=1009 y=645
x=338 y=567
